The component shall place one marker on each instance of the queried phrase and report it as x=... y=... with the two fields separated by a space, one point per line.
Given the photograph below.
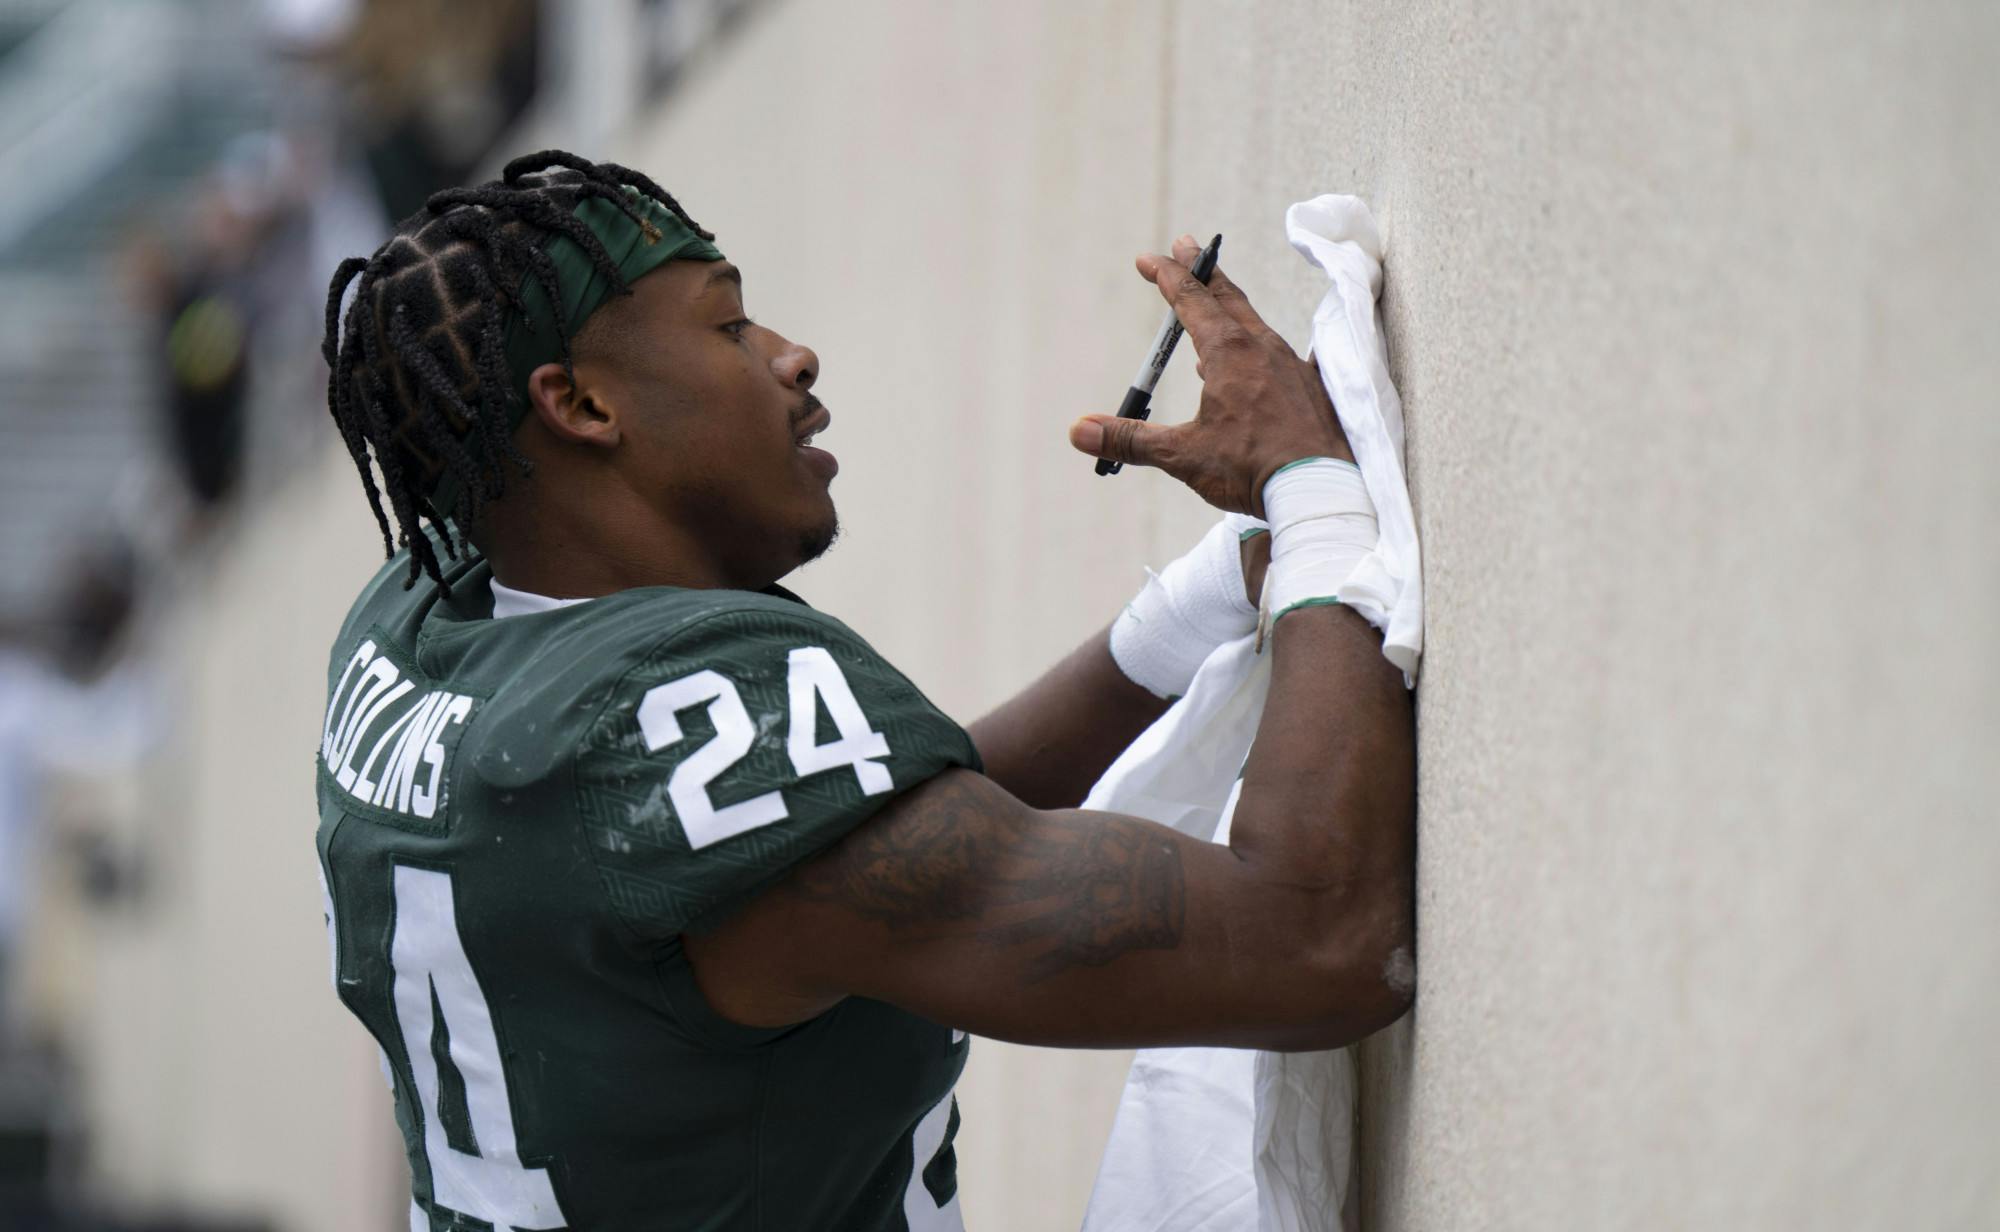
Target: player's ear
x=571 y=410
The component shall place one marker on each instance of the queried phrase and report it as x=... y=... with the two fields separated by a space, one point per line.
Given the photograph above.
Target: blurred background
x=1692 y=310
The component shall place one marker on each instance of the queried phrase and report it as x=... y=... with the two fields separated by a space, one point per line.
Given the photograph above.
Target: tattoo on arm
x=1082 y=888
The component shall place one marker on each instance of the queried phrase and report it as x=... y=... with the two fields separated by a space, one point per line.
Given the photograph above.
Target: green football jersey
x=519 y=818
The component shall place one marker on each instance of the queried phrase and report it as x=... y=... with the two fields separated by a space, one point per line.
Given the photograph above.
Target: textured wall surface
x=1692 y=309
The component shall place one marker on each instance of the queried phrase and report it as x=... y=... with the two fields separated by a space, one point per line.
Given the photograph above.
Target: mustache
x=805 y=409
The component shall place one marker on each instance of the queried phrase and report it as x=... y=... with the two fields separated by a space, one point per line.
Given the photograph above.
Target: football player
x=670 y=902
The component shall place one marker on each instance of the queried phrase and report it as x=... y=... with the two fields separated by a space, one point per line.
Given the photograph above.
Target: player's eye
x=738 y=326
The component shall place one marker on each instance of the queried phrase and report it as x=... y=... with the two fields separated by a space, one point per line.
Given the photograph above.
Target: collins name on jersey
x=404 y=732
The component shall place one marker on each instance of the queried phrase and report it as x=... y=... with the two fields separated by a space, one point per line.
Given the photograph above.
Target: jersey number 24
x=812 y=678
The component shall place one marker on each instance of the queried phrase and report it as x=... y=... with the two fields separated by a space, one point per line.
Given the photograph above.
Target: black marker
x=1138 y=402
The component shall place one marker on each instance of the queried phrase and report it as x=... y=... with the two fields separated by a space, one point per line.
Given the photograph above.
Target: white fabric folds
x=1338 y=235
x=1224 y=1140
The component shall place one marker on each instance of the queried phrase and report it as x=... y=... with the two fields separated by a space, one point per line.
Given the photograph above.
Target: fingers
x=1221 y=287
x=1234 y=302
x=1204 y=319
x=1124 y=440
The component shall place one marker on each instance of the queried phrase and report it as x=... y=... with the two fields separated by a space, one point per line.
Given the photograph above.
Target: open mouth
x=815 y=422
x=807 y=426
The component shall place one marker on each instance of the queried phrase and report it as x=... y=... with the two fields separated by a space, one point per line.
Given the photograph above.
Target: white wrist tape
x=1322 y=526
x=1185 y=611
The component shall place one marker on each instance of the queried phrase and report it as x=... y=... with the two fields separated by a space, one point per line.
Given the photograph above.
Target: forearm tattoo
x=1081 y=889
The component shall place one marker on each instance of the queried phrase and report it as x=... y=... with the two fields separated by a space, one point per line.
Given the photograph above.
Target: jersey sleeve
x=738 y=747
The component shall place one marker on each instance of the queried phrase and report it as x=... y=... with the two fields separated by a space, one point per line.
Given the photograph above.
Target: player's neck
x=581 y=556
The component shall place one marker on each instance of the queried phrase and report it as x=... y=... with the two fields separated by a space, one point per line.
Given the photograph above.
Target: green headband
x=528 y=338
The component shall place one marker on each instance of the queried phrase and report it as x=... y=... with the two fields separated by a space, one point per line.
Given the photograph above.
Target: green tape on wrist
x=1323 y=601
x=1315 y=458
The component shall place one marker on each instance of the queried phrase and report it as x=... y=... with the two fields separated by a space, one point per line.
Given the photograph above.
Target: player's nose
x=796 y=366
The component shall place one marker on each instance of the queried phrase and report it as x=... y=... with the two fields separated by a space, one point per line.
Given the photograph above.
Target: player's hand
x=1261 y=405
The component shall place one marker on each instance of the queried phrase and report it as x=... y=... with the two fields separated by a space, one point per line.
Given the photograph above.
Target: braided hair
x=418 y=376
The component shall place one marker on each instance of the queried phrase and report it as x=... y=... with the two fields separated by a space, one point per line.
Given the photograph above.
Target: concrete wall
x=1691 y=308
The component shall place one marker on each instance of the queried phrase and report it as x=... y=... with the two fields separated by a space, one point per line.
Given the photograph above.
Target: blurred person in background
x=669 y=901
x=216 y=297
x=65 y=703
x=436 y=82
x=204 y=324
x=75 y=707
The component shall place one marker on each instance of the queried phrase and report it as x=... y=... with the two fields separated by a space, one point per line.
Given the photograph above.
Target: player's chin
x=819 y=537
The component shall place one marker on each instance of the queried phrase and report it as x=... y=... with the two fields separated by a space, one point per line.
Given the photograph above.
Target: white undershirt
x=510 y=602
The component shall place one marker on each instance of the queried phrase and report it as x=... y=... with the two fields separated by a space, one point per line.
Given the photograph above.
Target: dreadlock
x=417 y=376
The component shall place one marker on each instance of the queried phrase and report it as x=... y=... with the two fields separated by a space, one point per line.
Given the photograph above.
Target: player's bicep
x=960 y=903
